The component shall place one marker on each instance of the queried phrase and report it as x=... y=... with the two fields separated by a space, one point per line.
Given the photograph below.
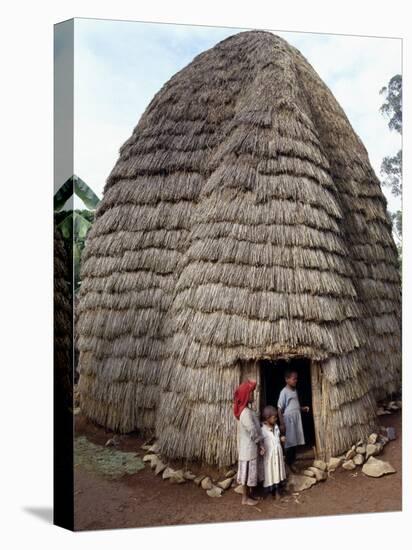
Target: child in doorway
x=249 y=440
x=273 y=462
x=290 y=417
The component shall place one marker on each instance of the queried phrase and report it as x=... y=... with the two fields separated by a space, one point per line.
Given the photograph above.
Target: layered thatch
x=242 y=221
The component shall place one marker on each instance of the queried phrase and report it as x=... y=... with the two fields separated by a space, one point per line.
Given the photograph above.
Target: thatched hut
x=241 y=229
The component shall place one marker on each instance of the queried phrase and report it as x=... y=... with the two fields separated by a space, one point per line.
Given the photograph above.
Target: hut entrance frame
x=269 y=375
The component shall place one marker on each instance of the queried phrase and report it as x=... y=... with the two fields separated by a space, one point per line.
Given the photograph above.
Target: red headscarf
x=242 y=395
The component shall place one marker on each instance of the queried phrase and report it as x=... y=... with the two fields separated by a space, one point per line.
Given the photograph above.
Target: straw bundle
x=242 y=221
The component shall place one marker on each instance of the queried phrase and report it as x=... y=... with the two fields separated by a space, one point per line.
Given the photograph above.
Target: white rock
x=373 y=449
x=149 y=458
x=372 y=438
x=320 y=475
x=377 y=468
x=334 y=463
x=177 y=477
x=226 y=483
x=381 y=411
x=358 y=459
x=350 y=454
x=361 y=450
x=320 y=465
x=238 y=489
x=308 y=473
x=349 y=465
x=168 y=473
x=206 y=483
x=214 y=492
x=230 y=473
x=300 y=483
x=76 y=410
x=160 y=467
x=198 y=480
x=188 y=475
x=155 y=448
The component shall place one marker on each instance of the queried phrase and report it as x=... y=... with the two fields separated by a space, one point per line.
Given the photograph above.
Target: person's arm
x=281 y=408
x=251 y=427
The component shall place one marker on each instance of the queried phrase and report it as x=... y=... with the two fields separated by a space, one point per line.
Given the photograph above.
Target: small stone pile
x=213 y=488
x=389 y=407
x=362 y=454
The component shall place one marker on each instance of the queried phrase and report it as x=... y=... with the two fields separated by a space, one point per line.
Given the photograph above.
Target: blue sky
x=120 y=65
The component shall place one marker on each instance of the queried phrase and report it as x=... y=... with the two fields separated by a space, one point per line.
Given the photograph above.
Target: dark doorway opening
x=272 y=376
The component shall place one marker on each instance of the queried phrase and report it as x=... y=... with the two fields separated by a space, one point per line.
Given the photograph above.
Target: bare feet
x=249 y=501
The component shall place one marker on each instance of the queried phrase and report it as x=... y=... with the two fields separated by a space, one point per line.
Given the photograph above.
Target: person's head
x=243 y=396
x=291 y=378
x=270 y=415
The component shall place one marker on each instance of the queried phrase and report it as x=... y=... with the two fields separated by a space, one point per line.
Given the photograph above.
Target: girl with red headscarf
x=249 y=440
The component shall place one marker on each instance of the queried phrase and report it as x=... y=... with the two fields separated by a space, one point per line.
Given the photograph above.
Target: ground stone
x=349 y=465
x=214 y=492
x=361 y=450
x=372 y=450
x=381 y=411
x=320 y=465
x=334 y=463
x=155 y=448
x=189 y=476
x=167 y=473
x=391 y=433
x=238 y=489
x=76 y=410
x=372 y=438
x=160 y=467
x=308 y=473
x=226 y=483
x=197 y=481
x=300 y=483
x=377 y=468
x=150 y=458
x=230 y=473
x=177 y=477
x=359 y=459
x=206 y=483
x=350 y=454
x=320 y=475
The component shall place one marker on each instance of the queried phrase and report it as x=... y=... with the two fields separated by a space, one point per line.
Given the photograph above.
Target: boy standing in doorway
x=290 y=417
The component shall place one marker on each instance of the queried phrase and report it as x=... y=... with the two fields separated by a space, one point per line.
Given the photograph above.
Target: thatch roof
x=242 y=220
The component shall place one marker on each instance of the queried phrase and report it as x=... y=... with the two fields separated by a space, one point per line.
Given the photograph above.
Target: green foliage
x=74 y=224
x=75 y=185
x=391 y=167
x=391 y=171
x=392 y=106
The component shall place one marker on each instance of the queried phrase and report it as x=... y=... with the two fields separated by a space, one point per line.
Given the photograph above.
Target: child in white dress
x=273 y=462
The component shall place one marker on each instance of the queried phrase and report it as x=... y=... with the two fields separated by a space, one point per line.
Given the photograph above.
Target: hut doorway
x=272 y=381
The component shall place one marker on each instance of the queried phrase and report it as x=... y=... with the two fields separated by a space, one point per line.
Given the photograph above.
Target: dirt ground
x=143 y=499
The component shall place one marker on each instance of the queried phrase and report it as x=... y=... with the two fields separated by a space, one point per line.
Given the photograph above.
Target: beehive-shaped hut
x=241 y=227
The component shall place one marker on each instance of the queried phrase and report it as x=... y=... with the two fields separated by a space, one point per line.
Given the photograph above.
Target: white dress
x=273 y=462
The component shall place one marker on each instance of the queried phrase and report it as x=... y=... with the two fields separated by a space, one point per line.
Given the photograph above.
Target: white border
x=26 y=270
